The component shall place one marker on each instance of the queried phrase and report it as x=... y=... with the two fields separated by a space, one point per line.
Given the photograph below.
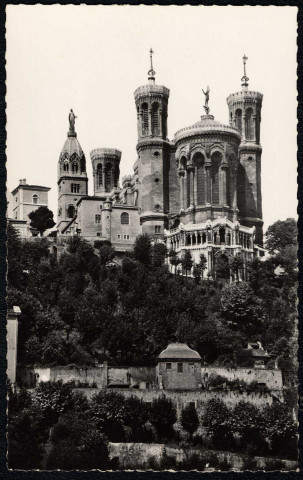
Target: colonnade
x=219 y=236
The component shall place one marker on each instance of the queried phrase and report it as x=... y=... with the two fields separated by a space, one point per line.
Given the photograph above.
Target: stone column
x=103 y=177
x=191 y=239
x=224 y=180
x=191 y=172
x=196 y=186
x=208 y=182
x=181 y=177
x=254 y=128
x=149 y=121
x=160 y=123
x=243 y=127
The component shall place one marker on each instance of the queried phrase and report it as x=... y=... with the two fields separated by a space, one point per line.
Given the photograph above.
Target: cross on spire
x=151 y=72
x=245 y=78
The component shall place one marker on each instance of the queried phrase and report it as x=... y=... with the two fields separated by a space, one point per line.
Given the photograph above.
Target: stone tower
x=106 y=169
x=245 y=114
x=72 y=177
x=153 y=155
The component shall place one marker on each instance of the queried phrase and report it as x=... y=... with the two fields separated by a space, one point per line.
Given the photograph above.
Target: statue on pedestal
x=72 y=117
x=206 y=107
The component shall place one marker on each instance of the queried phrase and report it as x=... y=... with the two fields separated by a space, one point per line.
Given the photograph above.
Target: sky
x=92 y=58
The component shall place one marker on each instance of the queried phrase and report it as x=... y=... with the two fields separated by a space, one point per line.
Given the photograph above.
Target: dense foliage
x=268 y=430
x=78 y=310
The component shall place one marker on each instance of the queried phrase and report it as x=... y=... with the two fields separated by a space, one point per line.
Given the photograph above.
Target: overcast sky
x=92 y=58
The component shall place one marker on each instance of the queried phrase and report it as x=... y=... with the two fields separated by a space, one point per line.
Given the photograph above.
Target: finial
x=245 y=78
x=71 y=118
x=206 y=107
x=151 y=72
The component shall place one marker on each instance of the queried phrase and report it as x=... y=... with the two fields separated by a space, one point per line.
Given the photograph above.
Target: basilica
x=200 y=191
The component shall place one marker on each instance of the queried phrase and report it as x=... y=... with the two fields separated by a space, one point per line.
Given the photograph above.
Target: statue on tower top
x=245 y=78
x=151 y=72
x=72 y=117
x=206 y=107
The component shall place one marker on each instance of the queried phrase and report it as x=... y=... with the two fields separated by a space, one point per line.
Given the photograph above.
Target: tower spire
x=151 y=72
x=245 y=78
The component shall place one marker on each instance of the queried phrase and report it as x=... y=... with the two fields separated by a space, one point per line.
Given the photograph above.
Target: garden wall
x=130 y=454
x=271 y=377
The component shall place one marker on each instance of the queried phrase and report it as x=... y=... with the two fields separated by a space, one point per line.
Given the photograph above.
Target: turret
x=106 y=169
x=153 y=149
x=245 y=114
x=72 y=177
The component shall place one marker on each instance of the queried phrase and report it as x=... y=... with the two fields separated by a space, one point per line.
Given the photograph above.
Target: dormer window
x=35 y=199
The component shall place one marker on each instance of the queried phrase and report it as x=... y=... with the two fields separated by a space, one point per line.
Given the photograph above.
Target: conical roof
x=179 y=351
x=71 y=146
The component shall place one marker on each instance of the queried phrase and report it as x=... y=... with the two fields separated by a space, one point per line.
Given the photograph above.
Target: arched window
x=144 y=118
x=124 y=218
x=239 y=119
x=71 y=211
x=241 y=197
x=65 y=167
x=200 y=183
x=155 y=119
x=116 y=176
x=222 y=235
x=75 y=167
x=249 y=126
x=108 y=177
x=228 y=192
x=35 y=199
x=215 y=165
x=99 y=175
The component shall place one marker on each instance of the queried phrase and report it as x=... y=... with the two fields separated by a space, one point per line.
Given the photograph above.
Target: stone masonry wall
x=271 y=377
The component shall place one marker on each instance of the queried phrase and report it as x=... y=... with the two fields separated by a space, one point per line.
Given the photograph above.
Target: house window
x=65 y=167
x=35 y=199
x=168 y=366
x=75 y=167
x=126 y=237
x=157 y=229
x=98 y=234
x=119 y=236
x=75 y=187
x=97 y=218
x=16 y=199
x=124 y=218
x=180 y=367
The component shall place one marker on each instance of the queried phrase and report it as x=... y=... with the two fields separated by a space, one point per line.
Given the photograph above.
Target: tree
x=42 y=219
x=163 y=416
x=187 y=261
x=189 y=419
x=236 y=264
x=281 y=234
x=143 y=249
x=108 y=412
x=216 y=419
x=53 y=399
x=197 y=271
x=106 y=254
x=281 y=430
x=158 y=254
x=241 y=309
x=174 y=259
x=221 y=267
x=76 y=443
x=245 y=422
x=203 y=263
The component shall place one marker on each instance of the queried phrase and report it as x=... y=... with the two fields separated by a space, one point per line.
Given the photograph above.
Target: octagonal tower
x=106 y=169
x=154 y=153
x=245 y=115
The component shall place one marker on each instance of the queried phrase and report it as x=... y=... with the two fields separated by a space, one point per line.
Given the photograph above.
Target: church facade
x=200 y=191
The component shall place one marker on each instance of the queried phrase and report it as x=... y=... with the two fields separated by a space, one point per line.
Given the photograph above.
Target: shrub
x=224 y=464
x=217 y=422
x=249 y=463
x=189 y=419
x=163 y=416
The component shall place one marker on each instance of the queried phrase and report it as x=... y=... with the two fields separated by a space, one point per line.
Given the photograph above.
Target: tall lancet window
x=215 y=165
x=99 y=175
x=200 y=180
x=155 y=119
x=239 y=119
x=144 y=118
x=249 y=127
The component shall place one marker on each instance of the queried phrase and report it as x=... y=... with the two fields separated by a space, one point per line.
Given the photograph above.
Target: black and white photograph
x=152 y=269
